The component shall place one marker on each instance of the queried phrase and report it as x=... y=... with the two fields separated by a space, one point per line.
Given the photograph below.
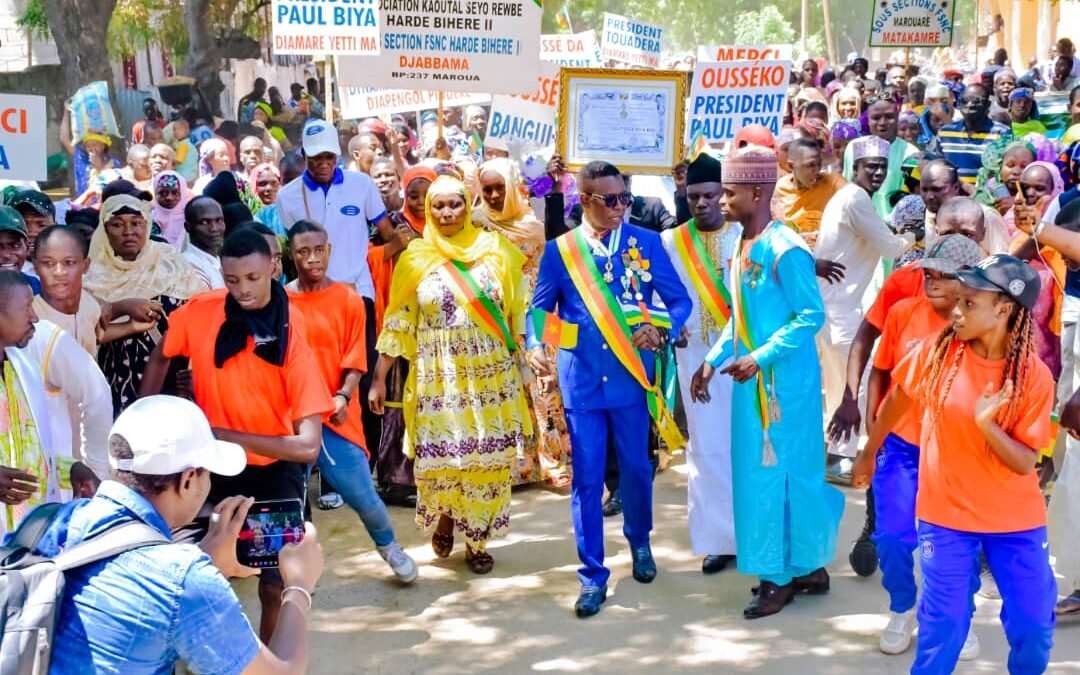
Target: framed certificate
x=631 y=118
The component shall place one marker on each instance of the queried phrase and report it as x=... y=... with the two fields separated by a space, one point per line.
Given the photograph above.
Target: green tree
x=34 y=21
x=764 y=26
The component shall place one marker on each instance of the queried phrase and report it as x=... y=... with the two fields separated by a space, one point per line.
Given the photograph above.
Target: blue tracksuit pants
x=1020 y=563
x=589 y=429
x=895 y=483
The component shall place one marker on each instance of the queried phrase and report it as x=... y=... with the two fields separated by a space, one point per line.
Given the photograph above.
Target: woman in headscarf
x=843 y=132
x=214 y=158
x=140 y=279
x=1024 y=113
x=456 y=305
x=504 y=209
x=908 y=128
x=170 y=197
x=393 y=468
x=266 y=182
x=1042 y=180
x=998 y=182
x=846 y=105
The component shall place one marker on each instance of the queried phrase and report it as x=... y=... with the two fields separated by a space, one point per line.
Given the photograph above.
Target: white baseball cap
x=320 y=136
x=168 y=435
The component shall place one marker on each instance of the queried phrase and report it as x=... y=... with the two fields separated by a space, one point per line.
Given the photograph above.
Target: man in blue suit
x=603 y=277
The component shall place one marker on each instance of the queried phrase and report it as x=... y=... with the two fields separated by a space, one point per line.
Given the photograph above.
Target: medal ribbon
x=608 y=315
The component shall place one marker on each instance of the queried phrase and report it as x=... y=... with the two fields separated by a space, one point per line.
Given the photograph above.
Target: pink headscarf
x=171 y=221
x=257 y=173
x=1058 y=188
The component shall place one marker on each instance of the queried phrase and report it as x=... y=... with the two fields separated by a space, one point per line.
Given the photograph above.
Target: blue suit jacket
x=590 y=376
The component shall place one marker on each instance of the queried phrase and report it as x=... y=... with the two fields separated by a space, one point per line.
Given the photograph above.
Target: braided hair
x=945 y=364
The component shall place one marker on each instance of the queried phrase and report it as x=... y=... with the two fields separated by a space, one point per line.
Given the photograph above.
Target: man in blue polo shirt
x=348 y=205
x=963 y=142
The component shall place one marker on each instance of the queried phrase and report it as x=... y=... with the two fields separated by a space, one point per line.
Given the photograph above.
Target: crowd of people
x=426 y=323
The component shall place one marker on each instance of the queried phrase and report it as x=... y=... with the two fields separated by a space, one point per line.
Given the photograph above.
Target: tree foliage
x=138 y=24
x=34 y=21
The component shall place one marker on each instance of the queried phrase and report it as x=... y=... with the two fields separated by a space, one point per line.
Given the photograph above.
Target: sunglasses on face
x=611 y=201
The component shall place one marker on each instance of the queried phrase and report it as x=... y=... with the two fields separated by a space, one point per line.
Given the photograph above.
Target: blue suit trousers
x=589 y=432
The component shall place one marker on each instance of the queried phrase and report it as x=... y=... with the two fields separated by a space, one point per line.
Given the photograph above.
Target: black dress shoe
x=863 y=556
x=613 y=505
x=769 y=599
x=715 y=563
x=588 y=603
x=815 y=583
x=644 y=565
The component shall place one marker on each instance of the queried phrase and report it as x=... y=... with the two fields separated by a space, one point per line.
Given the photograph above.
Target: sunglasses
x=611 y=201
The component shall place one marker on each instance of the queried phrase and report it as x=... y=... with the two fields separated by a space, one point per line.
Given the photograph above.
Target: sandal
x=442 y=542
x=480 y=562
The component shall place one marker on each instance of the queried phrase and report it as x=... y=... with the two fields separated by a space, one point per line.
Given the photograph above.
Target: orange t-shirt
x=963 y=484
x=909 y=322
x=334 y=321
x=382 y=274
x=905 y=282
x=246 y=394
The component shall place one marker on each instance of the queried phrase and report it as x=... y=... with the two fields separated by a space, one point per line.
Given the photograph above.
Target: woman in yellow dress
x=504 y=209
x=456 y=306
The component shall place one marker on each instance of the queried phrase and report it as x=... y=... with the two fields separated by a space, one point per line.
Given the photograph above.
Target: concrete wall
x=13 y=42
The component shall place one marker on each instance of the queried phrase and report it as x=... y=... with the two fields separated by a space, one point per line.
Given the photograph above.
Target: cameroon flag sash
x=709 y=285
x=742 y=333
x=609 y=318
x=480 y=308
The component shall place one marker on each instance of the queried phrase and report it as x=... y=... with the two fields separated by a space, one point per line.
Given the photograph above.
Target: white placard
x=528 y=121
x=486 y=46
x=22 y=137
x=630 y=41
x=360 y=102
x=725 y=97
x=580 y=50
x=912 y=23
x=318 y=27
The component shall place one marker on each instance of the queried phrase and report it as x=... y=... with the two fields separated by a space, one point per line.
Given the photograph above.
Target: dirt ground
x=519 y=618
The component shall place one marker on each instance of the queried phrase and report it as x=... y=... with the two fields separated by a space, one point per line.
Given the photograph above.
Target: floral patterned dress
x=469 y=424
x=547 y=452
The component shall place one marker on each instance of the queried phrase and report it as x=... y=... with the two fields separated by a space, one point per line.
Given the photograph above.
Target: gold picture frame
x=622 y=128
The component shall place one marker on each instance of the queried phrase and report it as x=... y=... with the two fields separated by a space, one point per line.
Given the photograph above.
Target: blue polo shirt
x=142 y=611
x=965 y=149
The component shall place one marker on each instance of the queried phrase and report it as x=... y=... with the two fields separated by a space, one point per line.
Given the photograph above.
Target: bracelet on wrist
x=1039 y=226
x=342 y=395
x=302 y=591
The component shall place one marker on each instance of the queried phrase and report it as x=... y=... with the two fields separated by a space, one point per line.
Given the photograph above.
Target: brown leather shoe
x=769 y=600
x=815 y=583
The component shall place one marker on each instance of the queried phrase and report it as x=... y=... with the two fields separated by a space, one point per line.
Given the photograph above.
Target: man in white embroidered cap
x=853 y=235
x=143 y=609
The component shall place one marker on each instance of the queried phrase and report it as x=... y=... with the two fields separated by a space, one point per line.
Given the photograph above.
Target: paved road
x=519 y=619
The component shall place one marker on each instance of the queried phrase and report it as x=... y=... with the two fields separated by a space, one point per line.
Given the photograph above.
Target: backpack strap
x=111 y=542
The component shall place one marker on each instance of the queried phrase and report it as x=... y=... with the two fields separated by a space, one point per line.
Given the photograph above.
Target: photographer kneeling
x=145 y=609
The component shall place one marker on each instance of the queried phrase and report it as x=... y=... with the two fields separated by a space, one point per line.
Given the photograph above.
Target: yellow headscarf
x=470 y=245
x=516 y=221
x=158 y=270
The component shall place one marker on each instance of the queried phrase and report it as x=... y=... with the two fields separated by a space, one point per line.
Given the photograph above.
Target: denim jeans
x=345 y=466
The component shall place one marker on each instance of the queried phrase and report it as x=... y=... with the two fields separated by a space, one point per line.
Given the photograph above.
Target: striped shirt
x=965 y=149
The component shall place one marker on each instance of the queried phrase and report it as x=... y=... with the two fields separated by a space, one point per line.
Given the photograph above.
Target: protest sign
x=488 y=46
x=725 y=97
x=22 y=137
x=360 y=102
x=629 y=41
x=317 y=27
x=746 y=53
x=580 y=50
x=912 y=23
x=528 y=121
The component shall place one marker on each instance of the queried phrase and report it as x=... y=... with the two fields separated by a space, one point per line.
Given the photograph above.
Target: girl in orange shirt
x=987 y=399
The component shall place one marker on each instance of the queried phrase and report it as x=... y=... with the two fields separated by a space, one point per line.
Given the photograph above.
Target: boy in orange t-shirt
x=895 y=483
x=335 y=329
x=256 y=379
x=987 y=399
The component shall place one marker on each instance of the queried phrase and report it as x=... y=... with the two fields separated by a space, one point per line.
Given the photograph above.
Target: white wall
x=13 y=42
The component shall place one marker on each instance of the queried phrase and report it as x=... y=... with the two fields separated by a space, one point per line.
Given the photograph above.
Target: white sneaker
x=897 y=636
x=403 y=566
x=971 y=648
x=988 y=586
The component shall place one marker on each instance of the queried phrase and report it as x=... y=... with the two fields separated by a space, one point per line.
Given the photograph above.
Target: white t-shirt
x=853 y=235
x=206 y=266
x=347 y=210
